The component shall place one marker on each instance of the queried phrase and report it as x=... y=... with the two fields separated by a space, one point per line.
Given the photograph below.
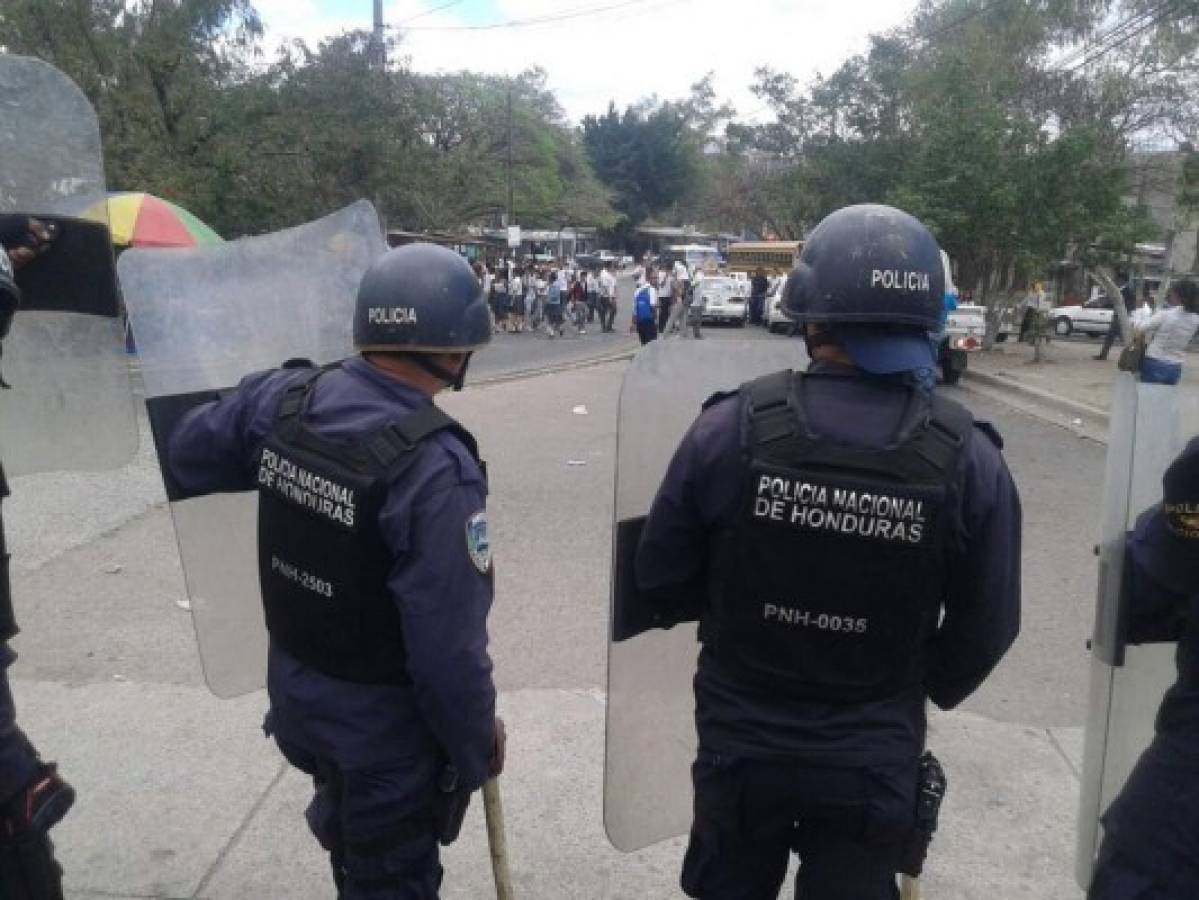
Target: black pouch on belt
x=450 y=806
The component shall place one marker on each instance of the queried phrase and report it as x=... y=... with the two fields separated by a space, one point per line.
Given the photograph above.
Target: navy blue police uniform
x=795 y=752
x=1150 y=849
x=379 y=700
x=849 y=543
x=18 y=759
x=33 y=796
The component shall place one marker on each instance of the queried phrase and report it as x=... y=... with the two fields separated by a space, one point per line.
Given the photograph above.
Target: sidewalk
x=1068 y=386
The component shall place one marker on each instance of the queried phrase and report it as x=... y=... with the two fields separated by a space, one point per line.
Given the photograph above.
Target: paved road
x=181 y=797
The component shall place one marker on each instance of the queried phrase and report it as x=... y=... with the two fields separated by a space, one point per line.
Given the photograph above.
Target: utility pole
x=511 y=189
x=378 y=55
x=378 y=61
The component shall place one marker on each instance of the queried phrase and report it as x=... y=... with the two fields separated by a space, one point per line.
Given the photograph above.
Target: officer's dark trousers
x=1118 y=877
x=18 y=759
x=380 y=835
x=1150 y=848
x=847 y=825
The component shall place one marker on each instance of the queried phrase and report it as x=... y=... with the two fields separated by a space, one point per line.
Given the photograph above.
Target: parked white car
x=1093 y=317
x=724 y=299
x=772 y=315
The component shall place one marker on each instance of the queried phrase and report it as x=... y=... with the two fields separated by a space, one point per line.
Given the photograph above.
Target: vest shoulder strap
x=295 y=397
x=392 y=445
x=941 y=440
x=772 y=415
x=718 y=397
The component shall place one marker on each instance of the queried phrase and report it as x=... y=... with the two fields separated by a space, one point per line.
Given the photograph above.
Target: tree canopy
x=1010 y=127
x=192 y=109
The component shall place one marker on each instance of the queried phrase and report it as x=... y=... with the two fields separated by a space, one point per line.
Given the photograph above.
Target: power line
x=536 y=20
x=1112 y=33
x=957 y=23
x=428 y=12
x=1158 y=15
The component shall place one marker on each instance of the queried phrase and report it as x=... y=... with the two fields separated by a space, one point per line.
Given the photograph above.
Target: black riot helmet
x=868 y=265
x=10 y=294
x=422 y=299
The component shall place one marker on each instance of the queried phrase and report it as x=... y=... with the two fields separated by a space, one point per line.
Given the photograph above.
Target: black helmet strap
x=815 y=340
x=455 y=381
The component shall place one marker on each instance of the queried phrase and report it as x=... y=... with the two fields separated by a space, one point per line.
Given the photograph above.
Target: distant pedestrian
x=542 y=287
x=758 y=286
x=666 y=293
x=1169 y=333
x=578 y=305
x=682 y=277
x=500 y=301
x=531 y=312
x=553 y=305
x=643 y=312
x=486 y=278
x=516 y=295
x=1114 y=329
x=592 y=285
x=677 y=321
x=607 y=298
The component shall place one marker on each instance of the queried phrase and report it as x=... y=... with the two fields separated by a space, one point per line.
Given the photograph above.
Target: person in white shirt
x=592 y=285
x=607 y=298
x=667 y=289
x=1169 y=333
x=516 y=294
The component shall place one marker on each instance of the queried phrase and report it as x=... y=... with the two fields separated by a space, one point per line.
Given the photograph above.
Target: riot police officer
x=1150 y=849
x=33 y=797
x=850 y=545
x=375 y=570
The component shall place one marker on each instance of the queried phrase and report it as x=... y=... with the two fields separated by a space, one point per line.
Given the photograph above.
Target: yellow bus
x=772 y=257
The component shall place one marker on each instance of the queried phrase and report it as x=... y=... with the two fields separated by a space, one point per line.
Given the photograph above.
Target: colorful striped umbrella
x=143 y=220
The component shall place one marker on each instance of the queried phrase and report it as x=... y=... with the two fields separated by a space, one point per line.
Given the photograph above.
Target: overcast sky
x=606 y=50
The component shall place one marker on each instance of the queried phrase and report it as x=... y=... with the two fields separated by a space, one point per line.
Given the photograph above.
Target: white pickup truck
x=965 y=329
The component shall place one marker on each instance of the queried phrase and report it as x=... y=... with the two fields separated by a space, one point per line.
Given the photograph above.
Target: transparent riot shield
x=651 y=737
x=203 y=318
x=70 y=405
x=1150 y=424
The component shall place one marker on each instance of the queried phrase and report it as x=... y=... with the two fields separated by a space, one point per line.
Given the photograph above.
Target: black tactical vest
x=322 y=561
x=831 y=581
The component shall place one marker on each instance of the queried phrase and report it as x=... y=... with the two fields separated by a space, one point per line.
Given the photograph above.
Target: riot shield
x=70 y=406
x=203 y=318
x=651 y=739
x=1150 y=424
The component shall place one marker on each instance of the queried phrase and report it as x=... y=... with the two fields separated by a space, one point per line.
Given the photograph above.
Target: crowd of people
x=539 y=298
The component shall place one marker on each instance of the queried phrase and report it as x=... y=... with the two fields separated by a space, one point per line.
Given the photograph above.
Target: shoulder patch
x=989 y=430
x=719 y=397
x=478 y=546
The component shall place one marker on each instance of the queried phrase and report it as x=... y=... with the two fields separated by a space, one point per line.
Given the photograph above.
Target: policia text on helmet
x=876 y=312
x=421 y=312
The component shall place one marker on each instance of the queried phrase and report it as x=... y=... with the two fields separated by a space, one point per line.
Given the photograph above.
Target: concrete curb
x=553 y=369
x=1058 y=402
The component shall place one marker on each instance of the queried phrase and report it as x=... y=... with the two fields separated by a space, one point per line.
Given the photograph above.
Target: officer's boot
x=28 y=870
